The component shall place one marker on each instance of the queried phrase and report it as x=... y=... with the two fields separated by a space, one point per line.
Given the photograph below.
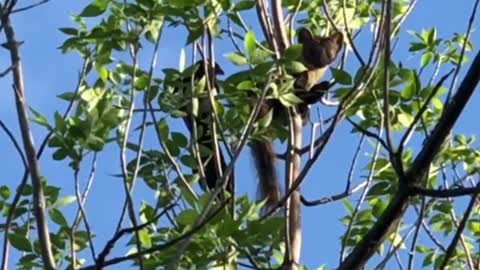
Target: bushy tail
x=264 y=157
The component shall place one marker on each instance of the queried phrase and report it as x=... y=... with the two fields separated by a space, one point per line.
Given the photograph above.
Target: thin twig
x=15 y=143
x=451 y=248
x=371 y=135
x=411 y=254
x=462 y=52
x=160 y=247
x=445 y=193
x=359 y=202
x=100 y=262
x=419 y=115
x=29 y=6
x=83 y=213
x=335 y=197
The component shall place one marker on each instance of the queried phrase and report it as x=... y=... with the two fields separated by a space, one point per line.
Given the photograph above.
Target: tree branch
x=29 y=148
x=444 y=193
x=399 y=203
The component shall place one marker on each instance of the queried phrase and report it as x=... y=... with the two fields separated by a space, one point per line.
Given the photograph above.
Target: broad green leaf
x=426 y=58
x=57 y=217
x=293 y=52
x=295 y=67
x=4 y=192
x=163 y=129
x=145 y=238
x=249 y=42
x=39 y=118
x=243 y=5
x=179 y=139
x=236 y=58
x=265 y=120
x=341 y=76
x=69 y=31
x=63 y=201
x=20 y=242
x=68 y=96
x=95 y=8
x=187 y=217
x=60 y=154
x=289 y=99
x=102 y=72
x=245 y=85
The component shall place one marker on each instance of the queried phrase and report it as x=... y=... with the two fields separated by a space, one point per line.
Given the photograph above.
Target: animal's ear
x=218 y=70
x=304 y=35
x=338 y=39
x=201 y=69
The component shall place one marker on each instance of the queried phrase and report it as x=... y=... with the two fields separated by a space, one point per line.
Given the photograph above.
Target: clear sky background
x=48 y=73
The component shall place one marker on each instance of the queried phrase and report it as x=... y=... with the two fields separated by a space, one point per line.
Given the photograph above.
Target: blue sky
x=48 y=73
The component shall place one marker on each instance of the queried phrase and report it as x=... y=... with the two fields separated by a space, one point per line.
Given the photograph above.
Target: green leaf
x=95 y=143
x=60 y=154
x=289 y=99
x=259 y=56
x=95 y=8
x=20 y=242
x=187 y=217
x=293 y=52
x=236 y=58
x=295 y=67
x=102 y=72
x=4 y=192
x=348 y=206
x=141 y=82
x=63 y=201
x=426 y=58
x=408 y=92
x=405 y=119
x=39 y=119
x=437 y=104
x=179 y=139
x=145 y=238
x=432 y=34
x=428 y=259
x=163 y=129
x=249 y=42
x=243 y=5
x=68 y=96
x=266 y=120
x=341 y=76
x=57 y=217
x=245 y=85
x=415 y=46
x=69 y=31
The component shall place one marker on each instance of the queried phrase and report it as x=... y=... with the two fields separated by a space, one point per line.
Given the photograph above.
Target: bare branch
x=34 y=167
x=335 y=197
x=445 y=193
x=462 y=52
x=100 y=261
x=160 y=247
x=6 y=71
x=29 y=7
x=371 y=135
x=15 y=143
